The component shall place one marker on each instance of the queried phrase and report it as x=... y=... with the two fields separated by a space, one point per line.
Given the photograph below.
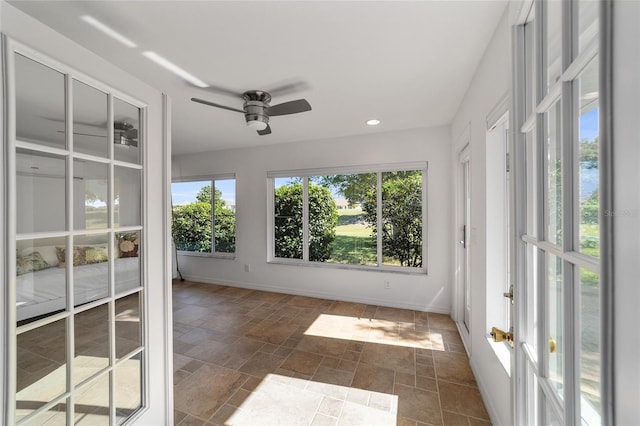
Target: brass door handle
x=501 y=336
x=553 y=346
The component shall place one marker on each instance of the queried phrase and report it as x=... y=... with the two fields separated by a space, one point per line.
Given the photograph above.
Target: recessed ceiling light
x=174 y=69
x=373 y=122
x=108 y=31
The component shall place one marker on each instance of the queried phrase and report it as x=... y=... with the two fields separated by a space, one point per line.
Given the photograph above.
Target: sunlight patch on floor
x=288 y=400
x=369 y=330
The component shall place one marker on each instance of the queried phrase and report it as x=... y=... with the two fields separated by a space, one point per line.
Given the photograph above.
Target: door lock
x=553 y=346
x=509 y=295
x=501 y=336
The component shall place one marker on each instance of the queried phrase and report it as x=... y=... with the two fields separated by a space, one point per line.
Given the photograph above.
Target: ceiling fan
x=256 y=109
x=124 y=133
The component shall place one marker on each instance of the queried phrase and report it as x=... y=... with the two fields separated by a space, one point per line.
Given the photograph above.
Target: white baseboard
x=484 y=392
x=318 y=294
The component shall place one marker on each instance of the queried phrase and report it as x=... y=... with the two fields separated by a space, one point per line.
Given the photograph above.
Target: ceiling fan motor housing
x=256 y=103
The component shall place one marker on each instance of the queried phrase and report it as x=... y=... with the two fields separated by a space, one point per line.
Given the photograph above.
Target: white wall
x=35 y=35
x=490 y=83
x=421 y=292
x=626 y=218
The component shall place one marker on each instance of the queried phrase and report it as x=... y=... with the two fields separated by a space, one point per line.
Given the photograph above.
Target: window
x=204 y=215
x=369 y=217
x=77 y=249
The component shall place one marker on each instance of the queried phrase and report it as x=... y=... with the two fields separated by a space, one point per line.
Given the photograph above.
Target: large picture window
x=204 y=215
x=366 y=217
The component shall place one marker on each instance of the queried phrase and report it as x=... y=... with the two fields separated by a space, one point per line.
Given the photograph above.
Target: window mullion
x=379 y=218
x=213 y=216
x=305 y=218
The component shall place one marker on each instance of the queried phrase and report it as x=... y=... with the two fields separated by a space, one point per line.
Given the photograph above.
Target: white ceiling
x=405 y=63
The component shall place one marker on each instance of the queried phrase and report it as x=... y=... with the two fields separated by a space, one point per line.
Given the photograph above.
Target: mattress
x=42 y=292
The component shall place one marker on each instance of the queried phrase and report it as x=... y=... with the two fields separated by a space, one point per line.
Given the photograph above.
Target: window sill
x=209 y=255
x=386 y=269
x=503 y=353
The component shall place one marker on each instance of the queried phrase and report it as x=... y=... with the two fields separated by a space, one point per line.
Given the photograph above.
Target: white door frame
x=463 y=262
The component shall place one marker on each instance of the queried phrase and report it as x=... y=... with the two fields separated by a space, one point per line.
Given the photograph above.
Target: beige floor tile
x=397 y=358
x=454 y=419
x=453 y=367
x=323 y=346
x=272 y=332
x=356 y=414
x=302 y=362
x=261 y=364
x=373 y=378
x=462 y=399
x=419 y=405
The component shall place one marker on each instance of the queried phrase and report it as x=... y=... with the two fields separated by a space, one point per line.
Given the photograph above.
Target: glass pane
x=192 y=215
x=530 y=65
x=56 y=416
x=128 y=391
x=39 y=103
x=590 y=347
x=342 y=219
x=89 y=120
x=588 y=17
x=40 y=192
x=553 y=184
x=127 y=198
x=225 y=215
x=288 y=217
x=90 y=267
x=92 y=403
x=589 y=163
x=41 y=282
x=90 y=186
x=127 y=261
x=532 y=298
x=533 y=398
x=126 y=133
x=555 y=315
x=128 y=332
x=91 y=342
x=41 y=367
x=531 y=182
x=552 y=418
x=553 y=41
x=402 y=218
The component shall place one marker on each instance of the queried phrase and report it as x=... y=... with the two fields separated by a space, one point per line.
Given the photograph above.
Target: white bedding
x=44 y=291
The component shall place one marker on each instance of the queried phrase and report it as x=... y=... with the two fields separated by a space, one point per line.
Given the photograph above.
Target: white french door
x=464 y=230
x=557 y=214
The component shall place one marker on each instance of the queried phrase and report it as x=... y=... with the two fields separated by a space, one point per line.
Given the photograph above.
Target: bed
x=41 y=288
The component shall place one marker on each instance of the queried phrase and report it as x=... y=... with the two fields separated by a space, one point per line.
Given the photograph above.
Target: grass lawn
x=353 y=243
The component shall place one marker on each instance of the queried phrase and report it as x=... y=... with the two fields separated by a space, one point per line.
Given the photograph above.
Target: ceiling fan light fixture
x=373 y=122
x=256 y=124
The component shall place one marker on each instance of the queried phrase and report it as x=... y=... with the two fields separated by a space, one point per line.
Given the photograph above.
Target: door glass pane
x=342 y=219
x=126 y=132
x=553 y=41
x=552 y=418
x=589 y=164
x=533 y=396
x=89 y=120
x=402 y=218
x=553 y=178
x=41 y=282
x=532 y=298
x=41 y=367
x=128 y=390
x=588 y=21
x=555 y=319
x=39 y=103
x=92 y=403
x=127 y=261
x=91 y=330
x=225 y=215
x=288 y=217
x=56 y=416
x=590 y=347
x=531 y=184
x=192 y=215
x=90 y=267
x=128 y=333
x=40 y=192
x=127 y=198
x=530 y=64
x=90 y=186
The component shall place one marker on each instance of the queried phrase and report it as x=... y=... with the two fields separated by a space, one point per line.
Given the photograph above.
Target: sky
x=185 y=192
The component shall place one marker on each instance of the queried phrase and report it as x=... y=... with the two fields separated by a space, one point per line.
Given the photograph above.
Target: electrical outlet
x=387 y=284
x=247 y=267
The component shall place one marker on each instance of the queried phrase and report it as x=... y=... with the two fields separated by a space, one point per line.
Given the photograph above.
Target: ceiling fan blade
x=202 y=101
x=218 y=89
x=291 y=107
x=286 y=87
x=266 y=131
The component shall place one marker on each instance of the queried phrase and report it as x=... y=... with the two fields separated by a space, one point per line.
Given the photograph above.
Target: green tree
x=589 y=153
x=192 y=224
x=589 y=208
x=401 y=216
x=323 y=219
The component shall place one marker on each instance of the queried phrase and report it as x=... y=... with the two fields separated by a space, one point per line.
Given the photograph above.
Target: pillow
x=79 y=256
x=30 y=263
x=128 y=244
x=96 y=254
x=48 y=253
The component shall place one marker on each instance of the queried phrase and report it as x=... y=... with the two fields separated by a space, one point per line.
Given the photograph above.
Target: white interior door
x=464 y=231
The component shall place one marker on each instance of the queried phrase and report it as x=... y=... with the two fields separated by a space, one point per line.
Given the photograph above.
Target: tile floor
x=246 y=357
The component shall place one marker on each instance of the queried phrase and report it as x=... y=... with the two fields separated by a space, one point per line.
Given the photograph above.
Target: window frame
x=379 y=169
x=212 y=178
